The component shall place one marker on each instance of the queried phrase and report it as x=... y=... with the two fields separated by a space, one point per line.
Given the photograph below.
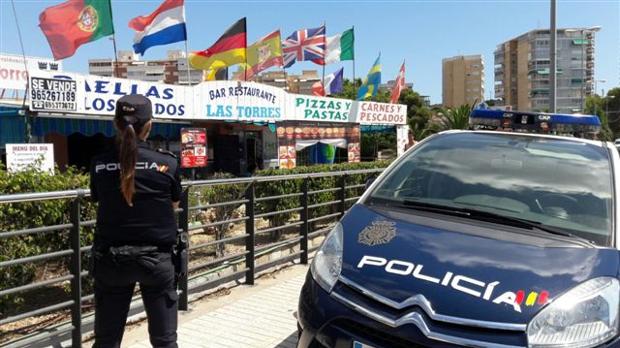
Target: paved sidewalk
x=261 y=316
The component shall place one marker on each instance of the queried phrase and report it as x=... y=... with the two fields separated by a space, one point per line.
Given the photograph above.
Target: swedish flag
x=371 y=84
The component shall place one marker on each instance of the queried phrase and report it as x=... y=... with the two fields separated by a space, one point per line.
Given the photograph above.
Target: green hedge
x=212 y=194
x=275 y=188
x=19 y=216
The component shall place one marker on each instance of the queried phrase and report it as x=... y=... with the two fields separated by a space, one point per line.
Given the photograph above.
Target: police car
x=479 y=238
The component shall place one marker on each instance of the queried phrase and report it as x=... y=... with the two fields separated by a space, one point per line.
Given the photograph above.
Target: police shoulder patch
x=378 y=232
x=160 y=150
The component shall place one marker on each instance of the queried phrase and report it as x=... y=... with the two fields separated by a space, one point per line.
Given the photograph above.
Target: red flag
x=399 y=85
x=73 y=23
x=318 y=90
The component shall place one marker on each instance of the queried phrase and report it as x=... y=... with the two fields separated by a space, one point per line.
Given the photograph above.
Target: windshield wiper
x=491 y=217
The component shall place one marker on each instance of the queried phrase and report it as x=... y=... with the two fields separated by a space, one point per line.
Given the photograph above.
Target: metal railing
x=308 y=212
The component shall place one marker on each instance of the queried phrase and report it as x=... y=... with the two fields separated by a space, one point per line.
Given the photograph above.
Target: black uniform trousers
x=115 y=281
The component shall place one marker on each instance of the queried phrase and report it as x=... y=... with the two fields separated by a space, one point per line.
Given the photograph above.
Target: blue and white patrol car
x=481 y=238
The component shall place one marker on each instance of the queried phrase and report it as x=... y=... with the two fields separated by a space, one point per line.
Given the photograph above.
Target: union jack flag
x=304 y=44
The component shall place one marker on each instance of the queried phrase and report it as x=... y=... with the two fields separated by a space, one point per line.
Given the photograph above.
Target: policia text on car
x=137 y=189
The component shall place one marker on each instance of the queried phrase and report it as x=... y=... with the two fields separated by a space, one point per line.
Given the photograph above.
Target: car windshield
x=554 y=182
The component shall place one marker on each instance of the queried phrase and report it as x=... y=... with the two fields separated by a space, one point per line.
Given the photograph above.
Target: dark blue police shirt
x=151 y=220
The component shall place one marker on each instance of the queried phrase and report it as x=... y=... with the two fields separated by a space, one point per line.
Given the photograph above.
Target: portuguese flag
x=71 y=24
x=229 y=49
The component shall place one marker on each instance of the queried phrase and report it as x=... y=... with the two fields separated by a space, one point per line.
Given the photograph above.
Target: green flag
x=340 y=47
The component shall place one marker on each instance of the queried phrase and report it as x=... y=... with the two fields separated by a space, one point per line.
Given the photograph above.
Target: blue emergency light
x=533 y=122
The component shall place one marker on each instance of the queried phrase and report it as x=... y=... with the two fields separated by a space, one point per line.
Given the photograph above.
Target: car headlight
x=327 y=263
x=585 y=316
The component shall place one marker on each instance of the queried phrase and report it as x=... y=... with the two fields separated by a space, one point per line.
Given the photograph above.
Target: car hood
x=461 y=273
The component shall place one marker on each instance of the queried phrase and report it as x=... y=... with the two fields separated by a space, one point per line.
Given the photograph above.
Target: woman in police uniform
x=137 y=189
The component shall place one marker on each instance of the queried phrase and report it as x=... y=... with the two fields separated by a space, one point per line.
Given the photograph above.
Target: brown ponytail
x=128 y=155
x=132 y=120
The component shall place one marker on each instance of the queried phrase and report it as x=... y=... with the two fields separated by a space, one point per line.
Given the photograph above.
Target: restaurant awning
x=12 y=126
x=90 y=127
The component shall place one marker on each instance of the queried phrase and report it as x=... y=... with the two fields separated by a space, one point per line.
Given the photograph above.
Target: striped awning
x=12 y=130
x=12 y=126
x=90 y=127
x=377 y=128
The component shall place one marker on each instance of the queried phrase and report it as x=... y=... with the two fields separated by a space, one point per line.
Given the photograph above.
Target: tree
x=348 y=90
x=214 y=194
x=418 y=112
x=492 y=102
x=595 y=105
x=612 y=109
x=456 y=118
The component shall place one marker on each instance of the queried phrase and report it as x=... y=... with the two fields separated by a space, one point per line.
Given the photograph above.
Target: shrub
x=216 y=194
x=274 y=188
x=18 y=216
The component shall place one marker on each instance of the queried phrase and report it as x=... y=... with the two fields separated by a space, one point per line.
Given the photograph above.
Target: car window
x=555 y=182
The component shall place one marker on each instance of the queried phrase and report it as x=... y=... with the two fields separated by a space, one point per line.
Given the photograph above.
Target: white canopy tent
x=302 y=144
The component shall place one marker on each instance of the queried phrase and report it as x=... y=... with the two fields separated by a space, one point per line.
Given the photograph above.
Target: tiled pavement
x=261 y=316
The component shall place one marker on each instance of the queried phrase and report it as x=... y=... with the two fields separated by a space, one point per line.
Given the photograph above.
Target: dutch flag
x=164 y=26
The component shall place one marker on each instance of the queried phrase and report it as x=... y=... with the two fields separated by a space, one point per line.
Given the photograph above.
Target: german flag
x=230 y=49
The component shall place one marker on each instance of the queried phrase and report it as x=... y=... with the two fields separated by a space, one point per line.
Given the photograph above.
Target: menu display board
x=293 y=135
x=301 y=131
x=37 y=156
x=288 y=157
x=354 y=152
x=193 y=147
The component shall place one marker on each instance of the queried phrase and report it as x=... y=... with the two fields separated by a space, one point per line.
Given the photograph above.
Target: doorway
x=253 y=151
x=227 y=153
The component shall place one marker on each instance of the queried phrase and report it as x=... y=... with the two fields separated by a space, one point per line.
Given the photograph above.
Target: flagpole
x=21 y=45
x=115 y=70
x=115 y=74
x=354 y=81
x=189 y=75
x=245 y=66
x=324 y=53
x=27 y=128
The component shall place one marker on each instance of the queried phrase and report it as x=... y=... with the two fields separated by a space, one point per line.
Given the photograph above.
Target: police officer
x=137 y=189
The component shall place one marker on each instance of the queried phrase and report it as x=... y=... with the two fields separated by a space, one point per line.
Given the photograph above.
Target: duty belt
x=144 y=255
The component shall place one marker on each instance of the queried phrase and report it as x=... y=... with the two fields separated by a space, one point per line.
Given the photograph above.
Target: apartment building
x=172 y=70
x=462 y=80
x=522 y=70
x=300 y=83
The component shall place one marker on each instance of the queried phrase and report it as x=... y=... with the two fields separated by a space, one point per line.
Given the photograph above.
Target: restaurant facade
x=248 y=125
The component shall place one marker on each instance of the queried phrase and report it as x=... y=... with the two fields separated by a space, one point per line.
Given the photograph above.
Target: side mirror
x=369 y=182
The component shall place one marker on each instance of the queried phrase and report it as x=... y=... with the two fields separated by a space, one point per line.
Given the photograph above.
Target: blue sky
x=421 y=32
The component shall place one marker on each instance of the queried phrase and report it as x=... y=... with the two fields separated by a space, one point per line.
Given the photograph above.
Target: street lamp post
x=602 y=92
x=553 y=58
x=607 y=99
x=596 y=85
